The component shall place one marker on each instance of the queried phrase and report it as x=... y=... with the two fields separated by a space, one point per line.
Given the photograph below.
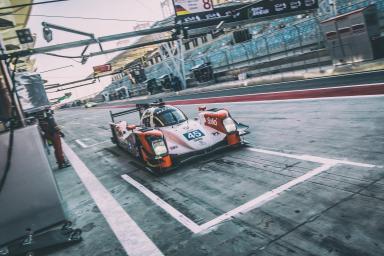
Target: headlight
x=159 y=147
x=229 y=125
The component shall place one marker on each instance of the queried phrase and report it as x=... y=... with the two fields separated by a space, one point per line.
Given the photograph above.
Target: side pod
x=154 y=150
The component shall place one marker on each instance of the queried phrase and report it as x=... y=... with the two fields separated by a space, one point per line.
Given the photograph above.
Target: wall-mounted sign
x=102 y=68
x=187 y=7
x=239 y=12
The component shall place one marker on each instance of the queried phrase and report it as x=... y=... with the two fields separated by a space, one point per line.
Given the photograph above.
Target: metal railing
x=296 y=35
x=348 y=6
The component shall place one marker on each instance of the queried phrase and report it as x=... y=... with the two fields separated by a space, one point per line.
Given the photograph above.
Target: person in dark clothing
x=150 y=88
x=175 y=83
x=52 y=133
x=5 y=103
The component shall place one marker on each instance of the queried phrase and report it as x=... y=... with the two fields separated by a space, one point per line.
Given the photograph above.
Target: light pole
x=48 y=36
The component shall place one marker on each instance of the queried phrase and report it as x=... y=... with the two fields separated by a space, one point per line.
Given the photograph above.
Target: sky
x=127 y=10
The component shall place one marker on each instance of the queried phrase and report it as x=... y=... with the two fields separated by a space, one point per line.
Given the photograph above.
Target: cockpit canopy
x=162 y=116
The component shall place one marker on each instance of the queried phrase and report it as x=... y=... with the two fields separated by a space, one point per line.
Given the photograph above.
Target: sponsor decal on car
x=196 y=134
x=211 y=121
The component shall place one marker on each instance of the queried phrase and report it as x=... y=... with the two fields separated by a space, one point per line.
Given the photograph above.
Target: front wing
x=218 y=147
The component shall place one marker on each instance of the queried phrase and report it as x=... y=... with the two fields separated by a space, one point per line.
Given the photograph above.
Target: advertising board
x=187 y=7
x=242 y=11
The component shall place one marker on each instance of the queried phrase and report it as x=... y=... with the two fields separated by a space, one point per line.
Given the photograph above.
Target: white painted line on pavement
x=83 y=145
x=310 y=158
x=253 y=204
x=98 y=143
x=337 y=161
x=265 y=198
x=327 y=163
x=132 y=238
x=195 y=228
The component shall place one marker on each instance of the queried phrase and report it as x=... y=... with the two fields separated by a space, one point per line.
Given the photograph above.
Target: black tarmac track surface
x=338 y=211
x=315 y=83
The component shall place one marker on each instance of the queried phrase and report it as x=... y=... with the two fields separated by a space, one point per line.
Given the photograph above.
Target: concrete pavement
x=337 y=211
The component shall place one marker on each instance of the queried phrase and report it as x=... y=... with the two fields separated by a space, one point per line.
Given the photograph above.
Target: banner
x=102 y=68
x=240 y=12
x=186 y=7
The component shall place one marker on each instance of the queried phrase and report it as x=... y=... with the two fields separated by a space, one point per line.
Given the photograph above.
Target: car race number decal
x=193 y=135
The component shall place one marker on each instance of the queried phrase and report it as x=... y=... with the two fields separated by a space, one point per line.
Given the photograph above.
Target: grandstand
x=296 y=39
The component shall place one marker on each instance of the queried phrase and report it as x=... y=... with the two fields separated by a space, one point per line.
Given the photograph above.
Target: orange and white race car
x=166 y=137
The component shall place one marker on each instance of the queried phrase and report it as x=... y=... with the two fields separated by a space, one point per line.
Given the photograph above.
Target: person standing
x=5 y=103
x=52 y=133
x=150 y=87
x=175 y=83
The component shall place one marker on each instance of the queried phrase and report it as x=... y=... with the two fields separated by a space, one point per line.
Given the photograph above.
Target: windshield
x=167 y=116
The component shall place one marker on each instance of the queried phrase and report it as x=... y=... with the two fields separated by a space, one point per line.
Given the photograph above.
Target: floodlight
x=48 y=35
x=24 y=36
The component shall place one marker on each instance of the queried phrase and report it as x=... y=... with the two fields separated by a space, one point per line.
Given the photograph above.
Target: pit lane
x=337 y=211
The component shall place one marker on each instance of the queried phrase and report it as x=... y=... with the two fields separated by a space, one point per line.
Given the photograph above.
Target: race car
x=90 y=104
x=165 y=137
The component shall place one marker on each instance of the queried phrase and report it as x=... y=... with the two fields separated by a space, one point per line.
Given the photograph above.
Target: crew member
x=150 y=87
x=52 y=132
x=176 y=83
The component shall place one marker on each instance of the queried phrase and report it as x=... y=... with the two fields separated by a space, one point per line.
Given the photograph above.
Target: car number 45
x=193 y=135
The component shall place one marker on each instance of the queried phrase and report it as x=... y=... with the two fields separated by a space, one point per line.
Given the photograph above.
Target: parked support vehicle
x=90 y=104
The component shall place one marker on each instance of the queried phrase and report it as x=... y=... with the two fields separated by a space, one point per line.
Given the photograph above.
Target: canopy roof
x=14 y=19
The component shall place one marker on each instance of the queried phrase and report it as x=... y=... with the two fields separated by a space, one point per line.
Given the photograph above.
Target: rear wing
x=123 y=113
x=144 y=106
x=139 y=108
